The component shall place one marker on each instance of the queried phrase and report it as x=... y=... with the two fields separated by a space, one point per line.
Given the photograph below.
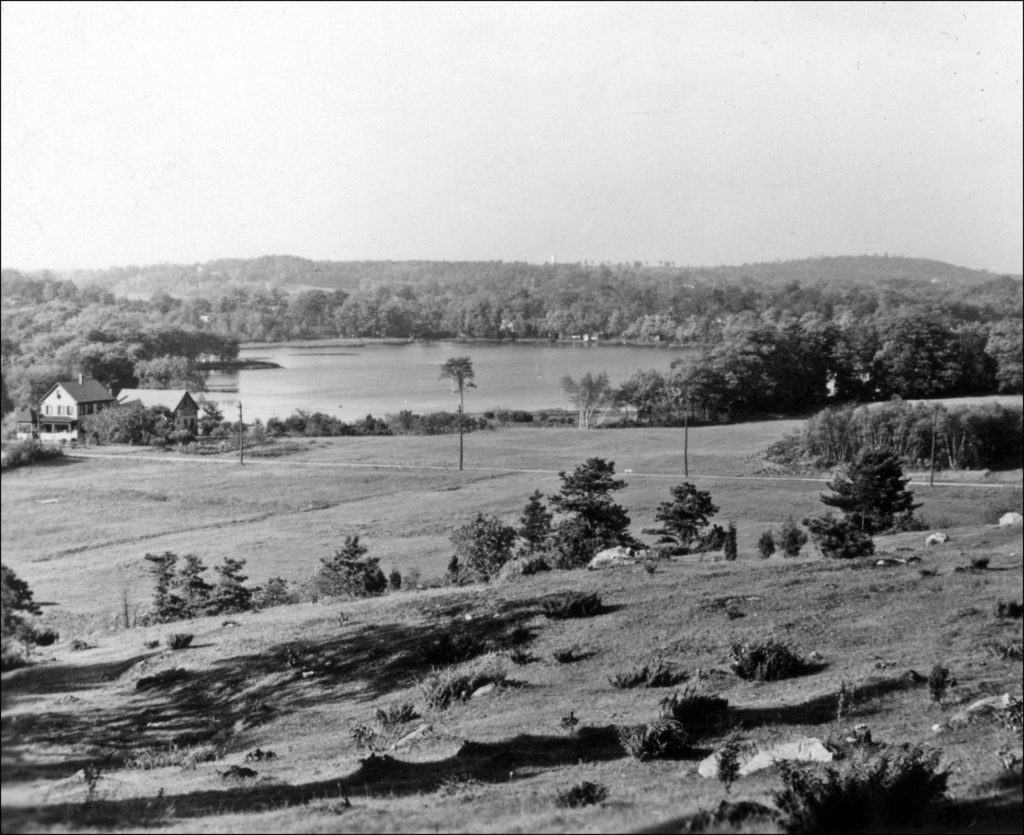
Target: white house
x=66 y=403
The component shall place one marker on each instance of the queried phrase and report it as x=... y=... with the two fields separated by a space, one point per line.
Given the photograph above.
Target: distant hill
x=290 y=273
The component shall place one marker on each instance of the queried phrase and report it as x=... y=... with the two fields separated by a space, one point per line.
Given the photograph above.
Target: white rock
x=611 y=557
x=708 y=766
x=483 y=691
x=809 y=749
x=936 y=539
x=938 y=728
x=1010 y=520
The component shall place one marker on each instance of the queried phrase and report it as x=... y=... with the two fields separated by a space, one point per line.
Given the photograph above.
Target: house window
x=48 y=408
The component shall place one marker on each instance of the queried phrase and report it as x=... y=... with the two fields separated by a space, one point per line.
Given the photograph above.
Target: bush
x=791 y=538
x=582 y=794
x=180 y=640
x=571 y=604
x=182 y=756
x=484 y=545
x=768 y=660
x=729 y=547
x=395 y=580
x=766 y=545
x=940 y=679
x=78 y=645
x=838 y=538
x=871 y=791
x=695 y=709
x=441 y=688
x=275 y=592
x=350 y=573
x=45 y=637
x=657 y=740
x=394 y=715
x=1009 y=609
x=647 y=676
x=27 y=452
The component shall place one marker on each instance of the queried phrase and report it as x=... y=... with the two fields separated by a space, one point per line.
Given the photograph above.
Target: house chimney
x=81 y=379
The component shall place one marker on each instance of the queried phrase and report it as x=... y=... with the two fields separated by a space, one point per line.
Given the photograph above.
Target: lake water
x=350 y=382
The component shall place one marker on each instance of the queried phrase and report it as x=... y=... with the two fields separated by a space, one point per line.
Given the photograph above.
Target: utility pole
x=686 y=441
x=931 y=475
x=460 y=430
x=241 y=435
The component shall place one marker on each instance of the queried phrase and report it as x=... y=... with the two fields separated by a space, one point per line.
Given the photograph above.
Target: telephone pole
x=241 y=435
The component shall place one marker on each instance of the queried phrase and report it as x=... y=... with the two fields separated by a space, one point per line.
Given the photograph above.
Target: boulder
x=808 y=749
x=1011 y=520
x=611 y=557
x=936 y=539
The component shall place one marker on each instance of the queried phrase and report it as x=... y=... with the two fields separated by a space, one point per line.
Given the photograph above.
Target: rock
x=936 y=539
x=483 y=691
x=808 y=749
x=612 y=557
x=412 y=736
x=708 y=766
x=1011 y=520
x=938 y=728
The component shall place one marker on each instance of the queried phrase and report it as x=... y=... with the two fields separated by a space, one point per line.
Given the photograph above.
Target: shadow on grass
x=176 y=705
x=822 y=709
x=377 y=776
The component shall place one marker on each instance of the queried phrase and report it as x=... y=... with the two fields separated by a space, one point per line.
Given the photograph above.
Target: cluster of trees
x=959 y=437
x=850 y=329
x=183 y=592
x=583 y=518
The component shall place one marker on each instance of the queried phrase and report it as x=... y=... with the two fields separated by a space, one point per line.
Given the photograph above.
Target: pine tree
x=683 y=517
x=195 y=591
x=594 y=520
x=534 y=524
x=229 y=593
x=730 y=542
x=349 y=572
x=167 y=605
x=872 y=494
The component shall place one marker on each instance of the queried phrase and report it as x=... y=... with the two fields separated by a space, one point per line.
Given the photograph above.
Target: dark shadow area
x=377 y=776
x=186 y=707
x=821 y=709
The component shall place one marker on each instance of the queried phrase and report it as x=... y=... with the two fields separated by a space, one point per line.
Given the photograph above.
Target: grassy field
x=77 y=530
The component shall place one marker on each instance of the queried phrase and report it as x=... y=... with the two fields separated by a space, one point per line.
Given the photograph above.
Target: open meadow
x=125 y=735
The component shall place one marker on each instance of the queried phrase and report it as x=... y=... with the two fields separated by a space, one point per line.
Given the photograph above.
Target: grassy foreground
x=85 y=747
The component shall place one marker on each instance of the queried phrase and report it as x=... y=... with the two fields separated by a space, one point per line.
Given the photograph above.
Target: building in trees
x=66 y=402
x=179 y=402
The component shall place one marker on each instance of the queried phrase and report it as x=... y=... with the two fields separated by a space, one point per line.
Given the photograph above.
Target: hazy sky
x=700 y=133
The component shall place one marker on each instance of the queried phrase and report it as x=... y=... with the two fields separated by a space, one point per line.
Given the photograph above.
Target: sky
x=696 y=133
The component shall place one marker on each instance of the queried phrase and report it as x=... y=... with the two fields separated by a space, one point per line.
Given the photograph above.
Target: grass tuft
x=767 y=660
x=582 y=794
x=662 y=739
x=572 y=604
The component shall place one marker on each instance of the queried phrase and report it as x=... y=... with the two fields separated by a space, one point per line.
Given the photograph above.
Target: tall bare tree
x=460 y=371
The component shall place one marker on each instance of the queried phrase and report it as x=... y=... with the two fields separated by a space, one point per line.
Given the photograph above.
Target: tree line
x=771 y=338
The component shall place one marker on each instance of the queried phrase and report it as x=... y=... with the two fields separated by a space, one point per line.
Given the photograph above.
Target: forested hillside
x=775 y=338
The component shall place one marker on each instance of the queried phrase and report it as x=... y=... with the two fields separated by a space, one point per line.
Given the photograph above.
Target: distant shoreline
x=359 y=342
x=237 y=365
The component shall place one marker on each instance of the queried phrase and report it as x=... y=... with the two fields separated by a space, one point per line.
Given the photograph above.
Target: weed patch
x=180 y=640
x=870 y=791
x=647 y=676
x=582 y=794
x=767 y=660
x=572 y=604
x=662 y=739
x=441 y=688
x=182 y=756
x=695 y=709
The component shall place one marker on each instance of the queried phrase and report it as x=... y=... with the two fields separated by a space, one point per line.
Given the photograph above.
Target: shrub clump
x=940 y=679
x=839 y=537
x=791 y=538
x=442 y=687
x=582 y=794
x=695 y=709
x=661 y=739
x=1009 y=609
x=180 y=640
x=571 y=604
x=871 y=791
x=767 y=660
x=659 y=675
x=350 y=573
x=766 y=544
